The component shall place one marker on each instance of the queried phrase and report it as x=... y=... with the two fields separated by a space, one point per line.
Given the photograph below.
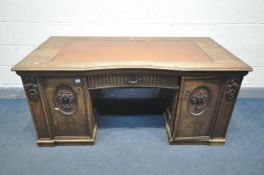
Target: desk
x=198 y=83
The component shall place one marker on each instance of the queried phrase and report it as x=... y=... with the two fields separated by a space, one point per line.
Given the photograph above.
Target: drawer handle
x=132 y=81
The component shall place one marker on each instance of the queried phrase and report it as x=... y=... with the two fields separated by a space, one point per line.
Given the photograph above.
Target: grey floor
x=132 y=145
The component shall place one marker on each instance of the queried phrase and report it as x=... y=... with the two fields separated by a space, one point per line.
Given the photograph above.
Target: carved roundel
x=199 y=100
x=65 y=101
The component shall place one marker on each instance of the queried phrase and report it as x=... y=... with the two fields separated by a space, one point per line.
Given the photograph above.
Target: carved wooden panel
x=197 y=106
x=199 y=100
x=68 y=108
x=65 y=100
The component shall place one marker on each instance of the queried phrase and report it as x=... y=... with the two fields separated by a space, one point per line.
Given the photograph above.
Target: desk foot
x=67 y=141
x=55 y=142
x=199 y=141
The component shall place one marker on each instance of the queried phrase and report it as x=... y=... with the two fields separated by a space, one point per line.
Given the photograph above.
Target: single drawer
x=132 y=80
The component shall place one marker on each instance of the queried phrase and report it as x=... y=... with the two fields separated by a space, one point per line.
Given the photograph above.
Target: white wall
x=238 y=25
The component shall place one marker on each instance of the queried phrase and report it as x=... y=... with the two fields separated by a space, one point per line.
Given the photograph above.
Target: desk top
x=92 y=53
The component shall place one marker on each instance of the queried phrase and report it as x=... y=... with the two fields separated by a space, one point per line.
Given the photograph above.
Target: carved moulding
x=232 y=88
x=199 y=100
x=31 y=88
x=65 y=101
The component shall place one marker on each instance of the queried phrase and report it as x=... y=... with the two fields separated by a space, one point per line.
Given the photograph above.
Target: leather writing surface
x=139 y=50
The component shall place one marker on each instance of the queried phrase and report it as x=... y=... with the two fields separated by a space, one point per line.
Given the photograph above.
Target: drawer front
x=197 y=107
x=66 y=103
x=132 y=80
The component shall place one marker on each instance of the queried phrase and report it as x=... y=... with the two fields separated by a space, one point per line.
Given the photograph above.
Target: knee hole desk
x=198 y=79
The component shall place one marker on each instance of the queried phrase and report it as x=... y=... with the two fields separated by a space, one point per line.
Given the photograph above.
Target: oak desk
x=198 y=80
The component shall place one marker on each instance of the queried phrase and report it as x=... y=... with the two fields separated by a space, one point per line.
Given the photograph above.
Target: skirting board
x=18 y=92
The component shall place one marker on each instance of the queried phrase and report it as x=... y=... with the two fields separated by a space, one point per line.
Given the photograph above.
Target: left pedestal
x=61 y=109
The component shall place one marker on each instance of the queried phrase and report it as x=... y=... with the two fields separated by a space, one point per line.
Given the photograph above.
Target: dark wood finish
x=198 y=79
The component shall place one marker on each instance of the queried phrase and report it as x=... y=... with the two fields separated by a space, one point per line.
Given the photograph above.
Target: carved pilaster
x=31 y=88
x=232 y=88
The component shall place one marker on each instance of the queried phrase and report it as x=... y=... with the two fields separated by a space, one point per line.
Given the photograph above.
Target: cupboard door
x=197 y=107
x=68 y=108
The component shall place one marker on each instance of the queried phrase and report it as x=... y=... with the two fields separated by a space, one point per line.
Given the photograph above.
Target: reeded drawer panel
x=132 y=80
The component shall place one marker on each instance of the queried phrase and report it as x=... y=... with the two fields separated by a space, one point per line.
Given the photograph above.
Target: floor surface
x=132 y=145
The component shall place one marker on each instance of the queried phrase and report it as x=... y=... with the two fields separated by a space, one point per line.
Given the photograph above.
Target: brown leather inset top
x=133 y=50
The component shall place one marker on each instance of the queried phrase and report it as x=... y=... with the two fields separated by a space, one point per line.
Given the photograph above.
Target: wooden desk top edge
x=223 y=60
